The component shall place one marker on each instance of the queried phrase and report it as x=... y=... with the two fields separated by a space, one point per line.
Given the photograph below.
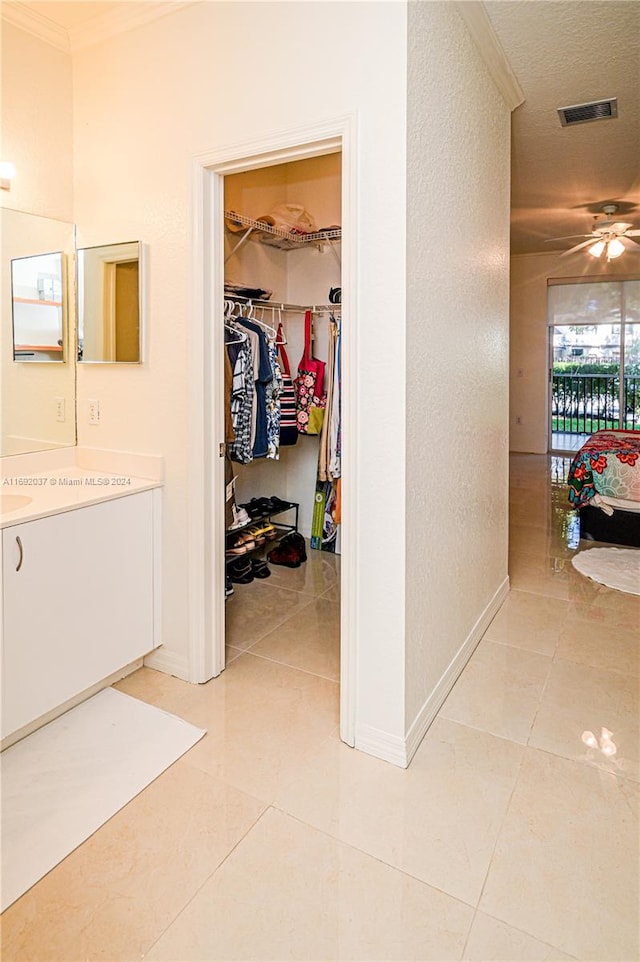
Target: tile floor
x=508 y=838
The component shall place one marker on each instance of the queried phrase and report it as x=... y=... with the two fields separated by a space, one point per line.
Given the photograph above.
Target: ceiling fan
x=608 y=237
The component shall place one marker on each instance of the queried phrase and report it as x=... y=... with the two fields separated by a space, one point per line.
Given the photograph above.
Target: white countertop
x=64 y=489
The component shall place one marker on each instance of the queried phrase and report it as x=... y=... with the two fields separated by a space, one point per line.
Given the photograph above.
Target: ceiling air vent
x=583 y=113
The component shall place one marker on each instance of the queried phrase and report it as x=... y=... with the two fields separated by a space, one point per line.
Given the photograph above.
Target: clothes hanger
x=280 y=328
x=260 y=321
x=239 y=336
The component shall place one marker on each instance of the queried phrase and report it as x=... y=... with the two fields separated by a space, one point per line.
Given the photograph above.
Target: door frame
x=206 y=527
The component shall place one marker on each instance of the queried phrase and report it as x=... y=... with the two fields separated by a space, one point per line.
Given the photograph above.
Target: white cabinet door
x=80 y=606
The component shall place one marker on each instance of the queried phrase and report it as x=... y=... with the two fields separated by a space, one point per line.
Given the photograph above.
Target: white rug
x=614 y=567
x=68 y=778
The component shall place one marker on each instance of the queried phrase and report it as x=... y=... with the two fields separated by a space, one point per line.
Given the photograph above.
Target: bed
x=604 y=484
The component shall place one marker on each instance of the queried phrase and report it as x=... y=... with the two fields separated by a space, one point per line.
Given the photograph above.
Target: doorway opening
x=282 y=291
x=213 y=176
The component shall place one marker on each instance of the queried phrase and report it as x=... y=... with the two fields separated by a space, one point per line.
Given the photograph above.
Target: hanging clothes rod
x=291 y=308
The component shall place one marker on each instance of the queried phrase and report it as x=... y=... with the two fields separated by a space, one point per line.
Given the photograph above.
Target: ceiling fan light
x=597 y=248
x=615 y=248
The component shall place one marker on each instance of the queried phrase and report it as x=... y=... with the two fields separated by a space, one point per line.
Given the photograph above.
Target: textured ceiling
x=566 y=53
x=562 y=52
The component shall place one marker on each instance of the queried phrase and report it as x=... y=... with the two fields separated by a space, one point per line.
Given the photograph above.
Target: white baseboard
x=168 y=662
x=399 y=751
x=434 y=702
x=390 y=748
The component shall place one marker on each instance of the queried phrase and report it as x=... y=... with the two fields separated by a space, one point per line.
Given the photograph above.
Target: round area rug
x=614 y=567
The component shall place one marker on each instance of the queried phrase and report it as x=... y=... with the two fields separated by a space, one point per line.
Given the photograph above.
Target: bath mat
x=65 y=780
x=614 y=567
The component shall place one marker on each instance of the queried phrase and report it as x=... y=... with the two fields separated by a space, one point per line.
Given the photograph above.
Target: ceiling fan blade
x=550 y=240
x=632 y=233
x=578 y=247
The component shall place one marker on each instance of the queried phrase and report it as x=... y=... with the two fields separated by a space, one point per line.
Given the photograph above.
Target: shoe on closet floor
x=298 y=543
x=293 y=544
x=240 y=571
x=290 y=553
x=260 y=568
x=228 y=587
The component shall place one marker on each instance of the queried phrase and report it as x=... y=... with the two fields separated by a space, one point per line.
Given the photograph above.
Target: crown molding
x=130 y=15
x=103 y=27
x=474 y=14
x=36 y=24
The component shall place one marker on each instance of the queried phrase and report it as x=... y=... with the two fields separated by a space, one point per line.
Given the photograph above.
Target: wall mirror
x=36 y=304
x=38 y=398
x=109 y=292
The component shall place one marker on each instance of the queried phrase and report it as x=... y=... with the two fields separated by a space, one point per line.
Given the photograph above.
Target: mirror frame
x=141 y=302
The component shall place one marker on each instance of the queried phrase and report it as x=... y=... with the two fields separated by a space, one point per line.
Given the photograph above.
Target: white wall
x=37 y=124
x=36 y=127
x=457 y=346
x=144 y=104
x=529 y=343
x=218 y=74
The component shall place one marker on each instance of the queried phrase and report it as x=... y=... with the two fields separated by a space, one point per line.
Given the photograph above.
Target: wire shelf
x=277 y=237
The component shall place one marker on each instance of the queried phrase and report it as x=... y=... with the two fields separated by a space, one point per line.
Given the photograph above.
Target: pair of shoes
x=258 y=507
x=278 y=504
x=290 y=553
x=240 y=518
x=260 y=532
x=239 y=571
x=263 y=531
x=259 y=568
x=240 y=544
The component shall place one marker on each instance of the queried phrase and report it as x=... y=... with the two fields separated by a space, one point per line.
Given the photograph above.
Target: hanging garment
x=288 y=423
x=242 y=394
x=272 y=401
x=323 y=453
x=309 y=383
x=254 y=341
x=335 y=438
x=263 y=375
x=229 y=433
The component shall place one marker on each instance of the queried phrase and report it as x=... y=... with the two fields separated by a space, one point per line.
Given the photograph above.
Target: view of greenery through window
x=596 y=356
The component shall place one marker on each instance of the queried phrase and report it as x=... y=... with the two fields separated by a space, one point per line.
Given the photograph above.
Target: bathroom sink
x=11 y=502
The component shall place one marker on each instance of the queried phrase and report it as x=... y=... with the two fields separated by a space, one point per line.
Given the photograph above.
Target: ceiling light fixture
x=612 y=247
x=7 y=173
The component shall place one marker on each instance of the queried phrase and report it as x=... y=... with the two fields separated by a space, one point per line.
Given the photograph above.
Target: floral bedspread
x=607 y=464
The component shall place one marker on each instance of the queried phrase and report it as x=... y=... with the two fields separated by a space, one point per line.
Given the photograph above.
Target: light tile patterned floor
x=512 y=835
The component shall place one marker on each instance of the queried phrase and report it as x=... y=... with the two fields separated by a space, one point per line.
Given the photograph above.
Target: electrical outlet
x=60 y=409
x=94 y=411
x=518 y=419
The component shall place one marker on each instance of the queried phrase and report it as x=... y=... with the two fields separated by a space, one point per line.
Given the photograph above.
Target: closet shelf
x=276 y=237
x=282 y=529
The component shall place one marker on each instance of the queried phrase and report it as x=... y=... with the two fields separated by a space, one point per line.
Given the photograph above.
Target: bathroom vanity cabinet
x=80 y=602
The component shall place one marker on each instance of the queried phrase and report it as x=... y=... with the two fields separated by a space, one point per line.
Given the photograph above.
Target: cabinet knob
x=19 y=543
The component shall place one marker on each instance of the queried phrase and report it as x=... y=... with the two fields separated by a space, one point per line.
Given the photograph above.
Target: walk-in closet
x=283 y=430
